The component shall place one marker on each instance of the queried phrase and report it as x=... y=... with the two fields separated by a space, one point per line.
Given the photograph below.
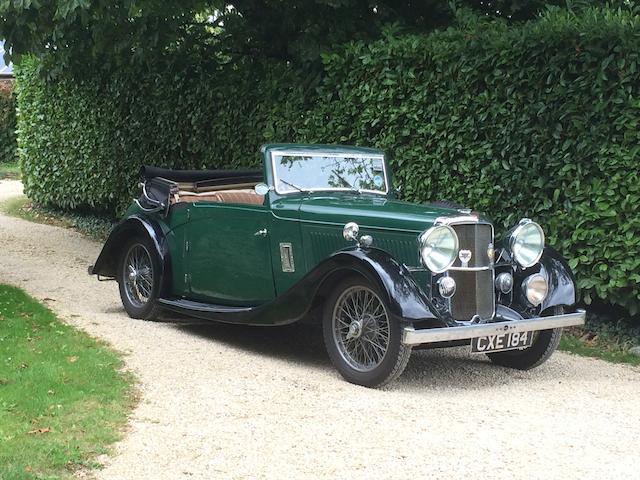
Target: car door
x=228 y=254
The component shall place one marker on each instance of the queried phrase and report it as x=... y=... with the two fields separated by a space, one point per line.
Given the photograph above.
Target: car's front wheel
x=139 y=279
x=363 y=340
x=544 y=344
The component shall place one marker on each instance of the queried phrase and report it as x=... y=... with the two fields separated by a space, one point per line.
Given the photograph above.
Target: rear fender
x=136 y=225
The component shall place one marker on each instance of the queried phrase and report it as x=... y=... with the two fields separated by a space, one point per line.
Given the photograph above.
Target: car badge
x=464 y=256
x=491 y=253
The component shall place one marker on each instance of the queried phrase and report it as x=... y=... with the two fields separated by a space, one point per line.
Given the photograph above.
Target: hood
x=372 y=211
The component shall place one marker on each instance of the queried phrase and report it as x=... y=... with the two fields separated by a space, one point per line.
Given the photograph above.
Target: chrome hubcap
x=361 y=328
x=138 y=276
x=355 y=330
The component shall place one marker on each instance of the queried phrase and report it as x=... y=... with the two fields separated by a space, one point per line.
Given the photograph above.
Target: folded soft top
x=147 y=172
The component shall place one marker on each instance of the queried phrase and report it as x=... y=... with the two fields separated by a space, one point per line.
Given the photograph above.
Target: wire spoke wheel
x=138 y=275
x=361 y=328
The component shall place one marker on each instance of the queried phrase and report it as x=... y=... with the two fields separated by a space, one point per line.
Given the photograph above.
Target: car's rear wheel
x=139 y=279
x=545 y=342
x=363 y=340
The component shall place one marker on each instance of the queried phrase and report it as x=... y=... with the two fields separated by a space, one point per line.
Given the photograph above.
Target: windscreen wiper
x=300 y=189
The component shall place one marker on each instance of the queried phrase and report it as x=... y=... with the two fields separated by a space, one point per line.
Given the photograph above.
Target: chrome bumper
x=411 y=336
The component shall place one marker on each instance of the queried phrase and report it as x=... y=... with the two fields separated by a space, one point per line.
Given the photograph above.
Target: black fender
x=562 y=290
x=404 y=298
x=562 y=284
x=135 y=225
x=400 y=292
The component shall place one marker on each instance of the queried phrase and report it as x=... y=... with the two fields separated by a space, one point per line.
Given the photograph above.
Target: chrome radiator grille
x=476 y=238
x=474 y=293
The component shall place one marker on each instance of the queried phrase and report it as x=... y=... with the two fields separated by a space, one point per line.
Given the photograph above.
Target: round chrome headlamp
x=527 y=243
x=535 y=288
x=438 y=248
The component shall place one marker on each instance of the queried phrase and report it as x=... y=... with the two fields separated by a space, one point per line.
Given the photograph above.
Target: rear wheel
x=363 y=340
x=139 y=279
x=544 y=344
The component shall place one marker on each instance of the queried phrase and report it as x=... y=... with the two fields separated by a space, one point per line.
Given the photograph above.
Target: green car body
x=277 y=261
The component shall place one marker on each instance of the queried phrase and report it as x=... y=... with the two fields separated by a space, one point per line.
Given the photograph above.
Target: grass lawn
x=63 y=397
x=10 y=170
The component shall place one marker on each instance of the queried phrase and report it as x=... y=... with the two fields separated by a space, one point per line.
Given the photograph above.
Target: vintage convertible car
x=317 y=234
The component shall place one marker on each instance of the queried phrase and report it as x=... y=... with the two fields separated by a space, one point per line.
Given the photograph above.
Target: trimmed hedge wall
x=540 y=120
x=8 y=145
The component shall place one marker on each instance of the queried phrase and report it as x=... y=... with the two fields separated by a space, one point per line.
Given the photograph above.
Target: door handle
x=261 y=233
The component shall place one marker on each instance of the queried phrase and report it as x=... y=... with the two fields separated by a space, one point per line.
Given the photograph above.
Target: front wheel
x=139 y=279
x=363 y=340
x=544 y=344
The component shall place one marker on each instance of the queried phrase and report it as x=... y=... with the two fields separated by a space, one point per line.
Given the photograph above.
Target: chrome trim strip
x=273 y=155
x=309 y=153
x=416 y=269
x=471 y=269
x=411 y=336
x=460 y=219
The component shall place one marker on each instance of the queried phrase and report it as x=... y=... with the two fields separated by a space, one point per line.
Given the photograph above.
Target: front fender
x=395 y=283
x=135 y=225
x=562 y=284
x=401 y=293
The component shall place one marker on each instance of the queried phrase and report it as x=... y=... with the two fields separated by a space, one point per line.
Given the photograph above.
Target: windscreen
x=298 y=172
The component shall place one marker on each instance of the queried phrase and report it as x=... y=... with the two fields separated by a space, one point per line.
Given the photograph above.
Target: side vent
x=286 y=257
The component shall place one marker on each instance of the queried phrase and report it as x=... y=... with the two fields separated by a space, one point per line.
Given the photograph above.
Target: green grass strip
x=604 y=349
x=93 y=226
x=9 y=170
x=63 y=396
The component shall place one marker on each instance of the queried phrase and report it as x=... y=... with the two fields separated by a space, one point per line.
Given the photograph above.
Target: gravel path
x=234 y=402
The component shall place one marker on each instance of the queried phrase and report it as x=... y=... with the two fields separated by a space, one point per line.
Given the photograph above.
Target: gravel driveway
x=235 y=402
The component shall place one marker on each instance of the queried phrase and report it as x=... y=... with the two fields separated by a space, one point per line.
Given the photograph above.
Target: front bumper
x=411 y=336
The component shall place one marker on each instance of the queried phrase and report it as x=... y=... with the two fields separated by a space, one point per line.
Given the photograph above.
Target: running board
x=193 y=308
x=271 y=313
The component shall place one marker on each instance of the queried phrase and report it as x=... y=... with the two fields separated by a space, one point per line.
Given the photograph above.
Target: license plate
x=501 y=342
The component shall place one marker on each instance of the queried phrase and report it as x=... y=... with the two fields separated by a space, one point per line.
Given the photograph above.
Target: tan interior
x=238 y=194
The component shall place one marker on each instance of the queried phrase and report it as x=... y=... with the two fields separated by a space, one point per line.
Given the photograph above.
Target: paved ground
x=229 y=402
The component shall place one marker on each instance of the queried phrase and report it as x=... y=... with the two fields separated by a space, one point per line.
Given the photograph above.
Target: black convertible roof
x=148 y=172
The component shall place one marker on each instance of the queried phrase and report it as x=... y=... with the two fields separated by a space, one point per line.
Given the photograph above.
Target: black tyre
x=544 y=344
x=363 y=340
x=139 y=279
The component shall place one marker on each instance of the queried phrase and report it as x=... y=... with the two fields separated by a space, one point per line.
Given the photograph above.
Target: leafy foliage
x=538 y=120
x=109 y=34
x=114 y=33
x=8 y=144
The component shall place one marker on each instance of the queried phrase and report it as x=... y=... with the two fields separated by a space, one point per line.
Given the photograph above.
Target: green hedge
x=539 y=120
x=8 y=146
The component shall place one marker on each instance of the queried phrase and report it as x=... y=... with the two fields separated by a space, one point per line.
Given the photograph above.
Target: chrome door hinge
x=187 y=245
x=187 y=279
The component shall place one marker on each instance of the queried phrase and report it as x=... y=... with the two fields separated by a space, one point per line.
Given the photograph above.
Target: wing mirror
x=262 y=188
